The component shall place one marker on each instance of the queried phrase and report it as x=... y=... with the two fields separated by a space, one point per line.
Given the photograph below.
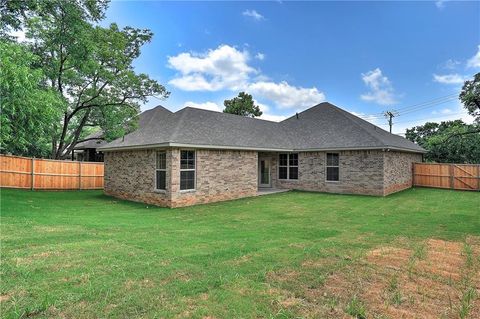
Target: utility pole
x=390 y=115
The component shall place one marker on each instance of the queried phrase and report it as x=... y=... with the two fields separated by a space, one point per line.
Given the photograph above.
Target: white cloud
x=211 y=106
x=450 y=64
x=440 y=4
x=381 y=90
x=443 y=111
x=286 y=95
x=253 y=14
x=272 y=117
x=260 y=56
x=474 y=62
x=227 y=68
x=223 y=67
x=448 y=78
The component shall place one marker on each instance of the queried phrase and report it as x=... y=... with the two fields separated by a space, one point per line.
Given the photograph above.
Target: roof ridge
x=307 y=109
x=342 y=112
x=180 y=114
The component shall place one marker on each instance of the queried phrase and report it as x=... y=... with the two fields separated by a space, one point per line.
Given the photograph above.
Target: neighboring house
x=196 y=156
x=88 y=151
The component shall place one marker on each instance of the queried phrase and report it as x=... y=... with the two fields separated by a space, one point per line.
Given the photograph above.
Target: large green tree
x=242 y=105
x=470 y=97
x=89 y=66
x=28 y=107
x=447 y=142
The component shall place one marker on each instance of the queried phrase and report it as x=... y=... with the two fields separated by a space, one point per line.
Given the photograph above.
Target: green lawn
x=83 y=254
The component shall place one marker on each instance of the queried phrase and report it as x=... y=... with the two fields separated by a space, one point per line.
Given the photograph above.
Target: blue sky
x=366 y=57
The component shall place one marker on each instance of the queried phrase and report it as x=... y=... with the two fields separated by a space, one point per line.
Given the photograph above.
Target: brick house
x=196 y=156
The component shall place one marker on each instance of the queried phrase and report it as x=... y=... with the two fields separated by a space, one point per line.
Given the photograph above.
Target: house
x=88 y=150
x=197 y=156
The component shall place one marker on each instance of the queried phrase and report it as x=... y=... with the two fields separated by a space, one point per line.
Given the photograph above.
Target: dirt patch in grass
x=136 y=284
x=5 y=297
x=240 y=260
x=39 y=256
x=439 y=279
x=286 y=275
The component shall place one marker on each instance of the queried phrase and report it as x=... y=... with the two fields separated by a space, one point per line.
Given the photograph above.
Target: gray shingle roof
x=322 y=127
x=144 y=120
x=92 y=143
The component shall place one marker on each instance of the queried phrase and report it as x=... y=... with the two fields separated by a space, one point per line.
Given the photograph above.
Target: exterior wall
x=361 y=172
x=227 y=174
x=131 y=175
x=397 y=170
x=368 y=172
x=220 y=175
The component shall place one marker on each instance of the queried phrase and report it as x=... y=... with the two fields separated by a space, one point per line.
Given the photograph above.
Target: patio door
x=264 y=173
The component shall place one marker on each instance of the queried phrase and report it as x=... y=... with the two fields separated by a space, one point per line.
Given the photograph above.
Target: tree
x=447 y=142
x=88 y=65
x=27 y=107
x=242 y=105
x=470 y=97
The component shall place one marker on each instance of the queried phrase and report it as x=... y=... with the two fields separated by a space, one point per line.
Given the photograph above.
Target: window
x=161 y=170
x=288 y=166
x=333 y=168
x=187 y=170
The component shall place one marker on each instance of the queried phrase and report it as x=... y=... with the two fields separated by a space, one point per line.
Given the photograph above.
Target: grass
x=83 y=254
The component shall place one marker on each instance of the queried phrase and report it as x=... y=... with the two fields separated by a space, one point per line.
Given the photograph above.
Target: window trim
x=161 y=190
x=327 y=166
x=194 y=169
x=288 y=167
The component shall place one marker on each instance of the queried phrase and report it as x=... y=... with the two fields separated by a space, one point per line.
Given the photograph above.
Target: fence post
x=478 y=176
x=451 y=176
x=413 y=174
x=79 y=175
x=32 y=180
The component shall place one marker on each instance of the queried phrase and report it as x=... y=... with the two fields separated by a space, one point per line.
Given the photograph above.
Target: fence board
x=453 y=176
x=16 y=172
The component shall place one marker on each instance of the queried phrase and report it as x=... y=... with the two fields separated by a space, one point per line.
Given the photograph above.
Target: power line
x=432 y=117
x=435 y=100
x=412 y=108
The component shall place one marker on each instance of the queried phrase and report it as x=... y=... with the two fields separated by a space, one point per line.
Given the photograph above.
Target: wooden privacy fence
x=35 y=173
x=454 y=176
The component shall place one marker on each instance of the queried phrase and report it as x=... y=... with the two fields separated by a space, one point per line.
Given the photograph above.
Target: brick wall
x=220 y=175
x=131 y=175
x=226 y=174
x=361 y=172
x=398 y=170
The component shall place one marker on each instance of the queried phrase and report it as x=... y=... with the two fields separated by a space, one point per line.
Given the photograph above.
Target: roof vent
x=296 y=114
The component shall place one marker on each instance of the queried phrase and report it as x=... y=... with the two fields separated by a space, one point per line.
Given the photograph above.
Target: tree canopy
x=446 y=142
x=28 y=107
x=470 y=97
x=243 y=105
x=90 y=67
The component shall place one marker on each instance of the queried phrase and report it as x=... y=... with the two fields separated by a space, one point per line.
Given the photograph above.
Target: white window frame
x=288 y=167
x=194 y=169
x=327 y=166
x=160 y=169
